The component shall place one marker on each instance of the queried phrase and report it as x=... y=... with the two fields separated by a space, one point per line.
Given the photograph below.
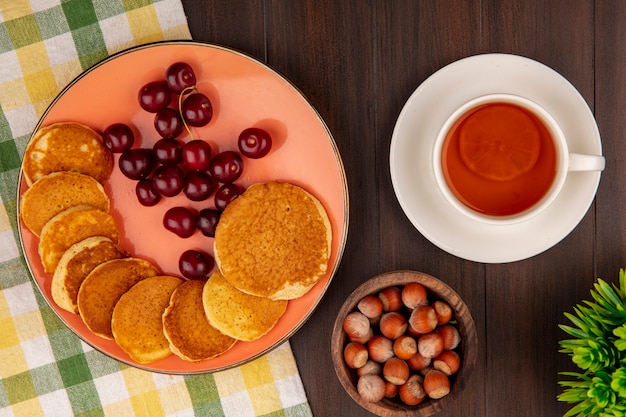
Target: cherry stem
x=180 y=108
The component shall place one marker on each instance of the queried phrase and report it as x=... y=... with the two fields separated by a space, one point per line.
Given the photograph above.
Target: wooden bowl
x=467 y=349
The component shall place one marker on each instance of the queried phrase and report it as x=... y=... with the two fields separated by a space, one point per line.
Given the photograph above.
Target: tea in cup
x=502 y=158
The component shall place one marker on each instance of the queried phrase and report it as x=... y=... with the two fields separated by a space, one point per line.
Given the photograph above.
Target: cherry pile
x=174 y=166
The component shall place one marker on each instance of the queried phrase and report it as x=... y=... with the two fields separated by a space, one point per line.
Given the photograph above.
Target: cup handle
x=580 y=162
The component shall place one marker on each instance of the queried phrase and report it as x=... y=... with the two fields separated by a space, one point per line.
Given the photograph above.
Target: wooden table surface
x=358 y=62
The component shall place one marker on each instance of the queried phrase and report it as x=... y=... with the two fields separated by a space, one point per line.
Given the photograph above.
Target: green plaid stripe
x=204 y=396
x=83 y=22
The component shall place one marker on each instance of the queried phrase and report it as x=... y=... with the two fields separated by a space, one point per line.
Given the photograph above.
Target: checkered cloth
x=44 y=368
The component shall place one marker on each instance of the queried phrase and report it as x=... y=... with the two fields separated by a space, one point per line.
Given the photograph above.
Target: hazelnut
x=355 y=354
x=412 y=392
x=357 y=327
x=380 y=348
x=412 y=332
x=391 y=298
x=370 y=367
x=396 y=371
x=443 y=312
x=371 y=388
x=371 y=306
x=450 y=335
x=430 y=345
x=414 y=295
x=405 y=347
x=418 y=362
x=436 y=384
x=393 y=324
x=391 y=390
x=447 y=362
x=423 y=319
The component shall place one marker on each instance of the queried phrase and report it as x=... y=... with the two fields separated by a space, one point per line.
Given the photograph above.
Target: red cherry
x=197 y=110
x=154 y=96
x=181 y=221
x=197 y=155
x=118 y=137
x=194 y=264
x=226 y=194
x=254 y=142
x=226 y=166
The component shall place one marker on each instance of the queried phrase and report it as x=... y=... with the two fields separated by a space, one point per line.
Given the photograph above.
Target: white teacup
x=526 y=173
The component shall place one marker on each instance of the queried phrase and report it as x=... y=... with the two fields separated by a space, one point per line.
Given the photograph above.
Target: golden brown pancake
x=273 y=241
x=137 y=322
x=55 y=192
x=237 y=314
x=104 y=286
x=66 y=146
x=69 y=227
x=76 y=263
x=190 y=334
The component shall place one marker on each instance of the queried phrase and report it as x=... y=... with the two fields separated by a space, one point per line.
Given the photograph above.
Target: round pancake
x=66 y=146
x=76 y=263
x=186 y=327
x=237 y=314
x=137 y=322
x=69 y=227
x=273 y=241
x=55 y=192
x=104 y=286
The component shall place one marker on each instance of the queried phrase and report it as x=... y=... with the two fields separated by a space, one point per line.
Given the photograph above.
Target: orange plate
x=244 y=93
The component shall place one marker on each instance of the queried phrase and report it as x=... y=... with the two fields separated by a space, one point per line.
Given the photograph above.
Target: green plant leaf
x=618 y=382
x=607 y=293
x=620 y=342
x=572 y=331
x=576 y=321
x=597 y=345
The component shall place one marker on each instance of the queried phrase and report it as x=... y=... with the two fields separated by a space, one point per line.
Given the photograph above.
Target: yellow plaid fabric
x=45 y=370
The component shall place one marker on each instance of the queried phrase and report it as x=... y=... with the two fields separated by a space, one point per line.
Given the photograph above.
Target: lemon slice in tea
x=499 y=142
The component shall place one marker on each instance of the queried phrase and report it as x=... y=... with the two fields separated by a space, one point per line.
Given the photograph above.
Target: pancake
x=186 y=327
x=273 y=241
x=104 y=286
x=237 y=314
x=66 y=146
x=69 y=227
x=137 y=322
x=55 y=192
x=76 y=263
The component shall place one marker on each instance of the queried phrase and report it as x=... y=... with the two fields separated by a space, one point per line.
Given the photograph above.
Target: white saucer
x=411 y=165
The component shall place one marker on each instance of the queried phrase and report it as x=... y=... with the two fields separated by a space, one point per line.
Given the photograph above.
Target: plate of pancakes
x=109 y=268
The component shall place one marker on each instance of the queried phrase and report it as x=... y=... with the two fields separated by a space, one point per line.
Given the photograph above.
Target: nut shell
x=430 y=345
x=391 y=298
x=423 y=319
x=355 y=355
x=370 y=306
x=447 y=362
x=436 y=384
x=380 y=348
x=412 y=392
x=371 y=388
x=414 y=295
x=357 y=327
x=393 y=324
x=405 y=347
x=396 y=371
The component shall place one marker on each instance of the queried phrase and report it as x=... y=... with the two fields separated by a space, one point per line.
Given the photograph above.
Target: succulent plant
x=598 y=348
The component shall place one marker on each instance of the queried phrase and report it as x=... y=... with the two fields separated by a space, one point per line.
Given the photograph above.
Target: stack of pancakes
x=272 y=245
x=273 y=241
